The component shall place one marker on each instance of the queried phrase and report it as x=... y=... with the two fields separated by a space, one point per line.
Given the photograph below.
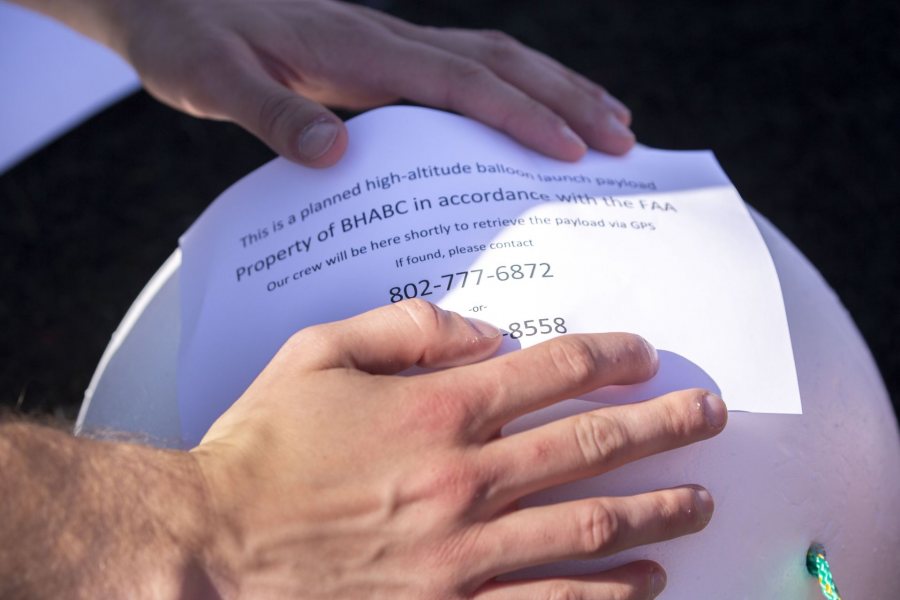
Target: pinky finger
x=635 y=581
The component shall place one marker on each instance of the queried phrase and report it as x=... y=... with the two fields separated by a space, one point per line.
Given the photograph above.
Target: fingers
x=432 y=76
x=594 y=114
x=596 y=442
x=393 y=338
x=635 y=581
x=565 y=367
x=485 y=75
x=590 y=528
x=293 y=126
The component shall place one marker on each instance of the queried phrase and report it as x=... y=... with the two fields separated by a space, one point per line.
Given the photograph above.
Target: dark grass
x=798 y=100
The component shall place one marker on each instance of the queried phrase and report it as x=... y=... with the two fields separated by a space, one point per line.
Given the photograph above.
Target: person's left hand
x=270 y=65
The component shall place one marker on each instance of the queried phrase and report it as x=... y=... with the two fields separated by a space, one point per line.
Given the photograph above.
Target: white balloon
x=781 y=482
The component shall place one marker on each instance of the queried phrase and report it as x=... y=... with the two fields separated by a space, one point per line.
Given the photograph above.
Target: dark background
x=799 y=100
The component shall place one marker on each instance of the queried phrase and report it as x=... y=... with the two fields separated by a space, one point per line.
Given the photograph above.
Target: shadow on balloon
x=675 y=373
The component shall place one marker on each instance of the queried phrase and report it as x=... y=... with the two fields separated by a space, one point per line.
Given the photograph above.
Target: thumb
x=293 y=126
x=393 y=338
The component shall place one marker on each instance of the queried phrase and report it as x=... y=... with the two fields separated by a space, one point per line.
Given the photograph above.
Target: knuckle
x=667 y=507
x=310 y=341
x=458 y=483
x=598 y=437
x=599 y=528
x=563 y=590
x=574 y=359
x=676 y=423
x=464 y=77
x=274 y=115
x=305 y=340
x=450 y=560
x=499 y=47
x=427 y=317
x=497 y=390
x=468 y=71
x=441 y=412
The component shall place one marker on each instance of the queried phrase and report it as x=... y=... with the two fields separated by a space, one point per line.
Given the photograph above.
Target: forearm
x=89 y=519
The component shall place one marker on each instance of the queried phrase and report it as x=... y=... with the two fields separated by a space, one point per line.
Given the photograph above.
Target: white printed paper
x=432 y=205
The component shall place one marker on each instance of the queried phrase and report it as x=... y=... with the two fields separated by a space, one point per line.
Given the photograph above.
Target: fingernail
x=317 y=137
x=714 y=410
x=657 y=582
x=622 y=113
x=651 y=352
x=570 y=135
x=617 y=127
x=484 y=329
x=705 y=504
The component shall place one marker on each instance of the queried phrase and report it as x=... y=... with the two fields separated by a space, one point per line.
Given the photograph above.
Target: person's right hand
x=332 y=477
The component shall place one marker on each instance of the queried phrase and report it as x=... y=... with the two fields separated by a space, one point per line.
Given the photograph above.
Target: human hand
x=269 y=65
x=332 y=477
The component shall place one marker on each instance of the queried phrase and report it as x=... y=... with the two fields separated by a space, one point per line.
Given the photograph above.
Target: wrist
x=171 y=520
x=85 y=518
x=228 y=497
